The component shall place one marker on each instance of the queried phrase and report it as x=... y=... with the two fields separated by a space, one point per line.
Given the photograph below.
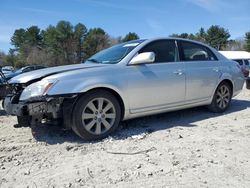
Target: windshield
x=114 y=54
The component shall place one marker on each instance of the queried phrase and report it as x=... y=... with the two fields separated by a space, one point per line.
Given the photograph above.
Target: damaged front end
x=37 y=106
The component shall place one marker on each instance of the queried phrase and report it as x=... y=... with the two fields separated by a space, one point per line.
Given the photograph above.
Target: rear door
x=202 y=71
x=160 y=84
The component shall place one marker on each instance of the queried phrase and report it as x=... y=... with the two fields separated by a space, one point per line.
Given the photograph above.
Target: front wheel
x=96 y=115
x=222 y=98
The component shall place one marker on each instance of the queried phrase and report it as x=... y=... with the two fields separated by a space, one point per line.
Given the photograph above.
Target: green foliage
x=247 y=37
x=130 y=36
x=25 y=38
x=61 y=44
x=10 y=59
x=96 y=40
x=217 y=37
x=201 y=35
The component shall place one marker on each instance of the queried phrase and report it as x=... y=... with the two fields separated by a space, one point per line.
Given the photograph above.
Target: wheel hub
x=98 y=116
x=223 y=96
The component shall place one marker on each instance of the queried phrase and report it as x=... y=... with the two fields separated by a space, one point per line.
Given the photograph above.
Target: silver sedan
x=133 y=79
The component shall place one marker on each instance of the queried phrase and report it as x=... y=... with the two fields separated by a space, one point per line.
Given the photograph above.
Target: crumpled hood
x=41 y=73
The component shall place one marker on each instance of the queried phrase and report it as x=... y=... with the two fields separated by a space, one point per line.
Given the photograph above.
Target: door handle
x=178 y=72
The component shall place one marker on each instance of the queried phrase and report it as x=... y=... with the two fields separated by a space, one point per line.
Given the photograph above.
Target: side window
x=165 y=50
x=240 y=61
x=196 y=52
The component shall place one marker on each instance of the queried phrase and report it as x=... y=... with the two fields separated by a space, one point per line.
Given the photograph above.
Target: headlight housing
x=37 y=89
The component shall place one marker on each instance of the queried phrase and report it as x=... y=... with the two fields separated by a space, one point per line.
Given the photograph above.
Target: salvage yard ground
x=188 y=148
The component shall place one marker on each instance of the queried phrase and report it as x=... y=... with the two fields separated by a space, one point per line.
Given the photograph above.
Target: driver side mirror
x=145 y=57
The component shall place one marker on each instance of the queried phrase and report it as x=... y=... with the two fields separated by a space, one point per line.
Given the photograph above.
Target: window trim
x=181 y=51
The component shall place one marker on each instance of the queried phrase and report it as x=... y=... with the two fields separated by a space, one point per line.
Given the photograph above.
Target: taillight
x=245 y=71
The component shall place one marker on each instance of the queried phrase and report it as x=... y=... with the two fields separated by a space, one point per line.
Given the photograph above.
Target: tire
x=24 y=121
x=222 y=98
x=96 y=115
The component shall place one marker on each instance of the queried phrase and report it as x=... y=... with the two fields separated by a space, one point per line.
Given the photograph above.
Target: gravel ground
x=188 y=148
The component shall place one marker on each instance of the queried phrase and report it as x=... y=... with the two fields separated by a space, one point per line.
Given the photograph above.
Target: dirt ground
x=188 y=148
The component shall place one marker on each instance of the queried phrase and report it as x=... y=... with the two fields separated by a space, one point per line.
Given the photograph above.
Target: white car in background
x=242 y=57
x=7 y=70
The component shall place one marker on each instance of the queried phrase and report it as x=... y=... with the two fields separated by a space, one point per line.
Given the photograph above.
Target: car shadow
x=52 y=134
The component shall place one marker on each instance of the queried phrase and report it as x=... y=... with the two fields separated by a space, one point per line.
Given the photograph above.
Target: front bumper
x=32 y=108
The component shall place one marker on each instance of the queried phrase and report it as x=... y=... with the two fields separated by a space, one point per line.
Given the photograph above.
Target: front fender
x=66 y=87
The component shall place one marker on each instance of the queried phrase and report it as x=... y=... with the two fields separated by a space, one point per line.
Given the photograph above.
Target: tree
x=201 y=35
x=247 y=37
x=31 y=37
x=64 y=42
x=115 y=40
x=185 y=36
x=24 y=40
x=96 y=40
x=18 y=38
x=237 y=44
x=130 y=36
x=217 y=37
x=10 y=58
x=79 y=34
x=2 y=58
x=182 y=35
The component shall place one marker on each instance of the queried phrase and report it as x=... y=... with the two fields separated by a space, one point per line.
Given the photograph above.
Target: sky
x=148 y=18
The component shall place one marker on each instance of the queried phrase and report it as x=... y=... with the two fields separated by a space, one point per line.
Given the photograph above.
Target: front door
x=158 y=85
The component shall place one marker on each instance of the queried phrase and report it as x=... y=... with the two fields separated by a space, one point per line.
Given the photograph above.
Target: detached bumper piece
x=38 y=110
x=248 y=83
x=53 y=110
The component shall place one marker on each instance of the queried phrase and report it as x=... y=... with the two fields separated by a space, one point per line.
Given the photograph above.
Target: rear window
x=196 y=52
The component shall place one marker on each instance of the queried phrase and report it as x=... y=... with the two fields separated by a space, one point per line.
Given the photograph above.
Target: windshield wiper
x=94 y=60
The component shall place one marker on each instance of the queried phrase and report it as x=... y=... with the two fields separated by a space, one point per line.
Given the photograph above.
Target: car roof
x=236 y=54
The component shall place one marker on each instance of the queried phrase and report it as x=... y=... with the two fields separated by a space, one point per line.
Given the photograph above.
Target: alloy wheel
x=223 y=97
x=98 y=116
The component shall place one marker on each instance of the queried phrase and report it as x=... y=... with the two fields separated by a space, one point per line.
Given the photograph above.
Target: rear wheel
x=96 y=115
x=222 y=98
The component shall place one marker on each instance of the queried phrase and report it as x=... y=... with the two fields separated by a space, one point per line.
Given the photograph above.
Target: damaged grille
x=14 y=92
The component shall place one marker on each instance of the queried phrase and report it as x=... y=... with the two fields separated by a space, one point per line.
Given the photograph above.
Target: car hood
x=42 y=73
